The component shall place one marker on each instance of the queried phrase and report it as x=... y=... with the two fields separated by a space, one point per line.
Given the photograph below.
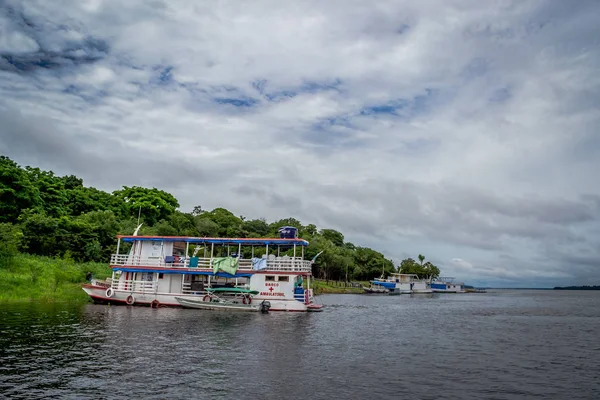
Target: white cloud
x=464 y=131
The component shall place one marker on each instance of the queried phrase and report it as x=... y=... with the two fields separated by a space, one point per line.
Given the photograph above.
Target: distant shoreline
x=577 y=288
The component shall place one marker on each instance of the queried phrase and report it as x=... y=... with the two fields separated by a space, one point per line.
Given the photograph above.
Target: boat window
x=161 y=275
x=147 y=276
x=270 y=278
x=284 y=279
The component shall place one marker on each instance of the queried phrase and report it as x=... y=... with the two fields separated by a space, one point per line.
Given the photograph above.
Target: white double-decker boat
x=161 y=271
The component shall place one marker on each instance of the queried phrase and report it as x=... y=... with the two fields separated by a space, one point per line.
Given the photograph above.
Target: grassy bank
x=38 y=278
x=321 y=287
x=29 y=278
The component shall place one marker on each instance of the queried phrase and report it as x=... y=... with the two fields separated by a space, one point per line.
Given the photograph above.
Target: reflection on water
x=503 y=344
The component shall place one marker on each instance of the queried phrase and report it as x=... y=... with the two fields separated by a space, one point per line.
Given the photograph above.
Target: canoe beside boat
x=380 y=290
x=217 y=305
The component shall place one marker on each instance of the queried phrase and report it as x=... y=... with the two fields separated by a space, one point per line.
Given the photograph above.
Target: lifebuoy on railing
x=247 y=300
x=109 y=292
x=130 y=300
x=155 y=304
x=206 y=298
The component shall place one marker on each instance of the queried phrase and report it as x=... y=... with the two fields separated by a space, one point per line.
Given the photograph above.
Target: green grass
x=321 y=287
x=36 y=278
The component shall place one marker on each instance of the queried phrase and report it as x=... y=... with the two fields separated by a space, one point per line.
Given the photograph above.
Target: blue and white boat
x=396 y=283
x=447 y=285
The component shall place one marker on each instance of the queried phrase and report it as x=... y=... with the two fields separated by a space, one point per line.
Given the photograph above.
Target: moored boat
x=402 y=284
x=447 y=285
x=168 y=271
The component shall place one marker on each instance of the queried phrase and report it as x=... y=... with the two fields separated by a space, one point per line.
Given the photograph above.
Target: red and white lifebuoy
x=206 y=298
x=247 y=300
x=155 y=304
x=130 y=300
x=109 y=292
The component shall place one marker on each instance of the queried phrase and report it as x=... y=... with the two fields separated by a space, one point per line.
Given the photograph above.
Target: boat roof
x=207 y=240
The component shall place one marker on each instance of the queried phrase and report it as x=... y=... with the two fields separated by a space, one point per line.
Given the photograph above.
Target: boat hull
x=99 y=295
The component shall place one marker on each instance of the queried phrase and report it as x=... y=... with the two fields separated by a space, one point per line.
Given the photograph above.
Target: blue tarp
x=222 y=241
x=259 y=263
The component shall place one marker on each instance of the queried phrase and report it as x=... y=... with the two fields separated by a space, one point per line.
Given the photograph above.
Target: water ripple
x=500 y=345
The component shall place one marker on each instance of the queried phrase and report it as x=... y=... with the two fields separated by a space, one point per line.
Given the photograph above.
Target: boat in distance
x=398 y=283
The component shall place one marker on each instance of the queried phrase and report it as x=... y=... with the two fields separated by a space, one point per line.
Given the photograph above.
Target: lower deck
x=287 y=292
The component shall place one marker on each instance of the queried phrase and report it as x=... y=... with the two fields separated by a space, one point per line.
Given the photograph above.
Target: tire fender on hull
x=130 y=300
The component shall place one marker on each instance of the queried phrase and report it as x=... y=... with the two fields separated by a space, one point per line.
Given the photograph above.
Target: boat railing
x=130 y=285
x=281 y=264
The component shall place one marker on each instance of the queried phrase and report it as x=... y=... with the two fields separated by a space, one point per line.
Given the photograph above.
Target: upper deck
x=202 y=264
x=180 y=254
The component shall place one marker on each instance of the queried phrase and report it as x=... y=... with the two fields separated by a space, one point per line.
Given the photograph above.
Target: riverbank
x=334 y=287
x=36 y=278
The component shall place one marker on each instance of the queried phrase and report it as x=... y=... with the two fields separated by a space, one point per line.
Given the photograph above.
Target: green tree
x=83 y=200
x=164 y=228
x=40 y=234
x=10 y=239
x=256 y=227
x=17 y=192
x=334 y=236
x=206 y=227
x=152 y=204
x=311 y=229
x=183 y=224
x=52 y=191
x=423 y=271
x=103 y=226
x=431 y=270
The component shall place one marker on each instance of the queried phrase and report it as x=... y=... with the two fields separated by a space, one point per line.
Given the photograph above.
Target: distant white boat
x=447 y=285
x=403 y=284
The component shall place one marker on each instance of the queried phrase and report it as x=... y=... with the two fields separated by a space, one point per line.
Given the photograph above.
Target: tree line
x=57 y=216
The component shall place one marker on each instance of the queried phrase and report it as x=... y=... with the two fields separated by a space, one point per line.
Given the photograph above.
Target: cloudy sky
x=463 y=130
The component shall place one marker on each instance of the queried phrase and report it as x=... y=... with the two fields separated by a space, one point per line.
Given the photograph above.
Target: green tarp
x=231 y=290
x=225 y=264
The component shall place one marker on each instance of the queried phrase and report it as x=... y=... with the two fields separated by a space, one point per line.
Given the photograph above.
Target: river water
x=499 y=345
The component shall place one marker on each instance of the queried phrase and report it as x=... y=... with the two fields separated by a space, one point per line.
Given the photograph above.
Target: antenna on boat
x=315 y=257
x=135 y=233
x=196 y=250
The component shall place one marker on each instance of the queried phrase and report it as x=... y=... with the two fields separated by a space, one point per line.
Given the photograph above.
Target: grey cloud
x=104 y=161
x=496 y=165
x=54 y=46
x=448 y=213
